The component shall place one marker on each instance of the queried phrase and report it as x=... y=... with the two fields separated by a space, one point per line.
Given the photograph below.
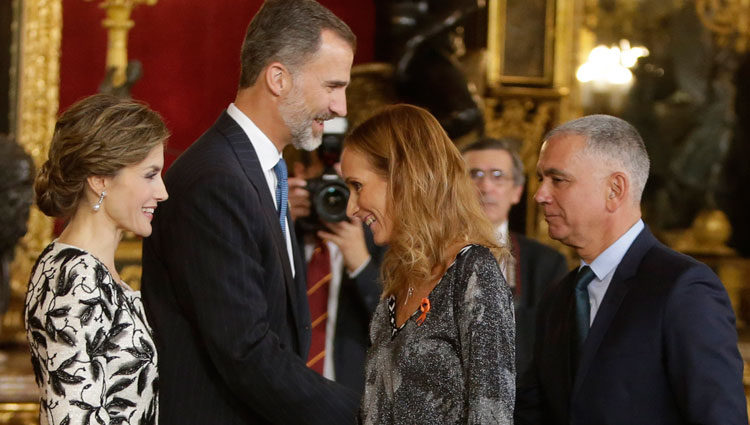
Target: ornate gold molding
x=525 y=117
x=38 y=102
x=728 y=19
x=19 y=413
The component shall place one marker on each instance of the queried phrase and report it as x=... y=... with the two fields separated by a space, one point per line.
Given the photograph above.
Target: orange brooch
x=424 y=308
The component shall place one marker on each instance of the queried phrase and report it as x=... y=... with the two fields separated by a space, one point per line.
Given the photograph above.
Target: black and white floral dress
x=92 y=349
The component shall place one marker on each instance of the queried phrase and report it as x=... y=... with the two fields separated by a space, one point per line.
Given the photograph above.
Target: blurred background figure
x=343 y=262
x=497 y=172
x=16 y=178
x=443 y=332
x=416 y=37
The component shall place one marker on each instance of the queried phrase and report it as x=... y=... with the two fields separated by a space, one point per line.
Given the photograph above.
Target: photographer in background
x=343 y=263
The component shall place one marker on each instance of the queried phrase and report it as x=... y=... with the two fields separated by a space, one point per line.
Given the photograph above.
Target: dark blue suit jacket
x=231 y=324
x=358 y=298
x=662 y=349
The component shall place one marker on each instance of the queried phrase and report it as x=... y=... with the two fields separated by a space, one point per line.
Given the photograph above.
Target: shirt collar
x=268 y=155
x=608 y=260
x=501 y=231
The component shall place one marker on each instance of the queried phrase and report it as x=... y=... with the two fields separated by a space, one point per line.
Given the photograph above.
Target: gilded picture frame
x=10 y=15
x=520 y=43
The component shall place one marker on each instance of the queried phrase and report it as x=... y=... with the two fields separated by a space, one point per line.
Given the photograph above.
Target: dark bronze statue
x=16 y=178
x=682 y=104
x=415 y=36
x=133 y=73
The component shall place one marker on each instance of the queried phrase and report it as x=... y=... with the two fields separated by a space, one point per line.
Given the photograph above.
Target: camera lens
x=330 y=202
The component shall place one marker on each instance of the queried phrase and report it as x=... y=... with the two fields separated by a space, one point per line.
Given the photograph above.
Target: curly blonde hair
x=429 y=187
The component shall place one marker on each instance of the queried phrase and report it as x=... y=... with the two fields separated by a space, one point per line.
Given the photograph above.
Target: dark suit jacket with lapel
x=662 y=349
x=538 y=266
x=357 y=300
x=231 y=324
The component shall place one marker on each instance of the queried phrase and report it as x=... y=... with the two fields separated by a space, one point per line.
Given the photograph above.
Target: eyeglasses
x=495 y=176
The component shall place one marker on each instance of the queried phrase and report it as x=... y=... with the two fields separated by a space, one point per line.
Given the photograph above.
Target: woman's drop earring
x=99 y=203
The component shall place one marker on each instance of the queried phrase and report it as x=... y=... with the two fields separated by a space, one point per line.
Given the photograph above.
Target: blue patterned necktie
x=282 y=193
x=583 y=308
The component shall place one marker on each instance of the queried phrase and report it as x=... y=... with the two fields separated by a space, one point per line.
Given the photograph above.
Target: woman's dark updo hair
x=97 y=136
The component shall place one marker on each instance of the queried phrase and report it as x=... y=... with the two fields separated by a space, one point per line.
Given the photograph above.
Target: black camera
x=328 y=193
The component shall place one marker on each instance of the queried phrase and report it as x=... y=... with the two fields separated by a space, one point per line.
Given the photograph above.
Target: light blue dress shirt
x=606 y=263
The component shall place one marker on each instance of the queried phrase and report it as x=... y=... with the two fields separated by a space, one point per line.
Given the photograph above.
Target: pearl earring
x=99 y=203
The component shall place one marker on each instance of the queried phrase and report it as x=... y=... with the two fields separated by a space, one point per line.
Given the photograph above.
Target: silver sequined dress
x=457 y=367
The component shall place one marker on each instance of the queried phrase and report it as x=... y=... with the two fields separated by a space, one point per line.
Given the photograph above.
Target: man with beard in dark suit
x=639 y=334
x=223 y=281
x=497 y=171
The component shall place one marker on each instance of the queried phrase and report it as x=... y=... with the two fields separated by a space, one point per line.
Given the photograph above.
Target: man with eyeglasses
x=497 y=171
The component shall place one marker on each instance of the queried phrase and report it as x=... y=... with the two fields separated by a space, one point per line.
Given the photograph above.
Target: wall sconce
x=606 y=77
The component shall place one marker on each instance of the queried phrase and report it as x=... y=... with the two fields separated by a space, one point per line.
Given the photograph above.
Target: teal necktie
x=583 y=308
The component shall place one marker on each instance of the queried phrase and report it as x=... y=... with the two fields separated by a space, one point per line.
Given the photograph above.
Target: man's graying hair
x=612 y=139
x=287 y=31
x=507 y=145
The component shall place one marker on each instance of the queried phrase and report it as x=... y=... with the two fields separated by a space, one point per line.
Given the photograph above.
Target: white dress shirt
x=605 y=264
x=507 y=267
x=268 y=156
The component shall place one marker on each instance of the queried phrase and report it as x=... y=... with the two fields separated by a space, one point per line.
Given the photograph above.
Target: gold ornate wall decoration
x=728 y=19
x=128 y=259
x=19 y=413
x=524 y=115
x=39 y=62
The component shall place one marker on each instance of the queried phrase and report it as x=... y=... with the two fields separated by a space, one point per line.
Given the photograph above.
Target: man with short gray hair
x=639 y=334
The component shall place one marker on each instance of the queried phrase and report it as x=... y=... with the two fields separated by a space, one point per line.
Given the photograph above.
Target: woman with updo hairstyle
x=443 y=334
x=92 y=349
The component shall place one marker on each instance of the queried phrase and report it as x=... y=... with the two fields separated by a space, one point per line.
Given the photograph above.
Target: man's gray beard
x=306 y=140
x=294 y=113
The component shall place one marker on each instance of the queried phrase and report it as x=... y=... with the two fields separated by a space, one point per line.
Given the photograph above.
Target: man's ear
x=278 y=79
x=618 y=189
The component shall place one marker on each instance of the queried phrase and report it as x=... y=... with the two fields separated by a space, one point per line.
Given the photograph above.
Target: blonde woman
x=443 y=335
